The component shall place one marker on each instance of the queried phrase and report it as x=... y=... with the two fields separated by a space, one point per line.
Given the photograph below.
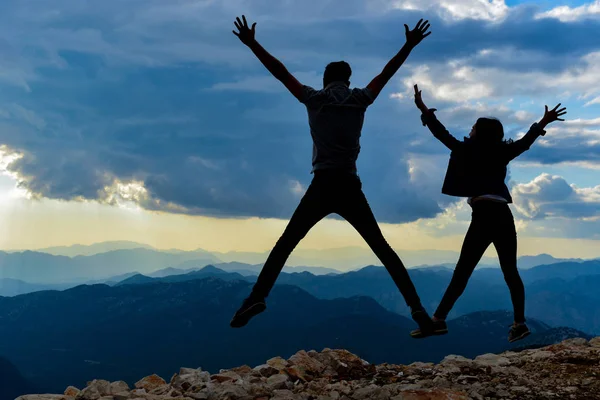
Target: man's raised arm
x=413 y=38
x=275 y=67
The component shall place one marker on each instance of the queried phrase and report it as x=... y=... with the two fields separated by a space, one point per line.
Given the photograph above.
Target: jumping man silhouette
x=336 y=114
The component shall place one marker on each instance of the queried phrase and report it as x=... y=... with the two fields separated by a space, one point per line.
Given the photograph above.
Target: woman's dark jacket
x=477 y=168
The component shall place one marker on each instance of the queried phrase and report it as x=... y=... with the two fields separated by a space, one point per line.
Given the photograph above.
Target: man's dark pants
x=340 y=192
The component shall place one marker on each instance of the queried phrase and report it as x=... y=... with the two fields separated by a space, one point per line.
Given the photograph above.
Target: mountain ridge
x=184 y=322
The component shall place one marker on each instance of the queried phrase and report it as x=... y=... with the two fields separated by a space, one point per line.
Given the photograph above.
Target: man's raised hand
x=419 y=99
x=414 y=37
x=245 y=33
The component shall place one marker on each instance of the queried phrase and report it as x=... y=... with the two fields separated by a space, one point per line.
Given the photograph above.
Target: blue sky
x=157 y=103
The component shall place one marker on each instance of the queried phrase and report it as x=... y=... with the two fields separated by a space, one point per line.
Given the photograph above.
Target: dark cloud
x=164 y=94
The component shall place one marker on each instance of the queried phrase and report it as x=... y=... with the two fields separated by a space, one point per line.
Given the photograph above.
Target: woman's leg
x=475 y=244
x=505 y=241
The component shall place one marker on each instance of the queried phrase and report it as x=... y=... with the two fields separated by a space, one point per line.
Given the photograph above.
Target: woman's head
x=487 y=130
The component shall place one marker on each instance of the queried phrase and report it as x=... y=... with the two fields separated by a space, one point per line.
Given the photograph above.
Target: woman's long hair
x=489 y=132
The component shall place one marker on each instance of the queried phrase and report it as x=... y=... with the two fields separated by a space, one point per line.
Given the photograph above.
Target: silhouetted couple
x=336 y=115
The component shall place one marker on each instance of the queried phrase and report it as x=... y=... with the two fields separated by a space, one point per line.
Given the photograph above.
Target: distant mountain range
x=344 y=258
x=132 y=330
x=99 y=262
x=553 y=295
x=564 y=294
x=43 y=268
x=561 y=294
x=35 y=267
x=92 y=249
x=208 y=271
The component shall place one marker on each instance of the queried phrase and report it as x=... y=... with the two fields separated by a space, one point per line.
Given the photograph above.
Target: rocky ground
x=569 y=370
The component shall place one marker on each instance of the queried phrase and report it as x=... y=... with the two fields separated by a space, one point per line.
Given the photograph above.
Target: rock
x=421 y=365
x=225 y=377
x=341 y=375
x=588 y=381
x=198 y=396
x=371 y=392
x=72 y=391
x=308 y=364
x=188 y=378
x=150 y=382
x=243 y=370
x=410 y=386
x=278 y=363
x=94 y=390
x=297 y=373
x=278 y=381
x=491 y=360
x=231 y=392
x=344 y=365
x=434 y=394
x=582 y=342
x=366 y=392
x=162 y=390
x=474 y=395
x=186 y=371
x=266 y=370
x=541 y=355
x=118 y=387
x=467 y=379
x=441 y=382
x=454 y=359
x=520 y=389
x=284 y=395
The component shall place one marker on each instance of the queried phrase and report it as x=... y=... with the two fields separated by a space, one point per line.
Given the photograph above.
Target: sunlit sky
x=149 y=121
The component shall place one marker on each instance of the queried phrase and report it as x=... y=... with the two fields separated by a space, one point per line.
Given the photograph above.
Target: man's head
x=337 y=71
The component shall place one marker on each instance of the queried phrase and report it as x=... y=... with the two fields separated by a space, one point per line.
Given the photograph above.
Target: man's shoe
x=251 y=307
x=439 y=328
x=518 y=332
x=425 y=324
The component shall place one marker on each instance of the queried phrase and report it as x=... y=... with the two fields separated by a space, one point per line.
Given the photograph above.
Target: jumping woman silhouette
x=477 y=170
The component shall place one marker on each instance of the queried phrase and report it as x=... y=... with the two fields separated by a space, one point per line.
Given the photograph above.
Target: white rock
x=185 y=371
x=492 y=360
x=595 y=342
x=541 y=355
x=577 y=342
x=96 y=389
x=71 y=391
x=231 y=392
x=119 y=387
x=278 y=381
x=283 y=395
x=455 y=359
